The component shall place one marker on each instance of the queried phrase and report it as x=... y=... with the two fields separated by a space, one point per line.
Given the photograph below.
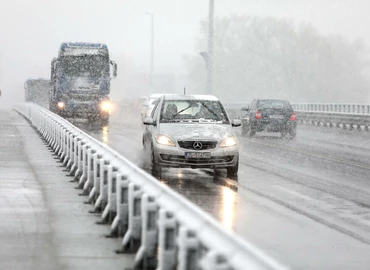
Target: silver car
x=148 y=105
x=191 y=132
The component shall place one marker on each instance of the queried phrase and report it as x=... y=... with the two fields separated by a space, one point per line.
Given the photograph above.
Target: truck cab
x=80 y=82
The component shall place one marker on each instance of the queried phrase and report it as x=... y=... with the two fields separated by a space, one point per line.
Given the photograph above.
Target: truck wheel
x=104 y=122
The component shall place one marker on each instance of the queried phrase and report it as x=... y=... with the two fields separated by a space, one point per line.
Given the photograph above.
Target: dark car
x=271 y=115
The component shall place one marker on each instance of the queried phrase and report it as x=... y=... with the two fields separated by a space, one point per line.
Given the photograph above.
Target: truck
x=37 y=91
x=80 y=82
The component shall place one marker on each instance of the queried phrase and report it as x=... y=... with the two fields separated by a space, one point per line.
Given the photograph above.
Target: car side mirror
x=149 y=121
x=236 y=123
x=114 y=68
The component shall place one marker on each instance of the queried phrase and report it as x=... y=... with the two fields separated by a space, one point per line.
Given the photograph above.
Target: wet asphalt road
x=304 y=201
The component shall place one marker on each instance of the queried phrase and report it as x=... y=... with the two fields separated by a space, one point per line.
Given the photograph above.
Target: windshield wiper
x=210 y=110
x=181 y=111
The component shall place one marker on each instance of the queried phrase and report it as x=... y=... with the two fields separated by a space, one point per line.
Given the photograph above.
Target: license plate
x=197 y=154
x=277 y=116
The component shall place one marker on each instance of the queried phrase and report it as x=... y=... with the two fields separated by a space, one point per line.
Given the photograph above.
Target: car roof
x=189 y=97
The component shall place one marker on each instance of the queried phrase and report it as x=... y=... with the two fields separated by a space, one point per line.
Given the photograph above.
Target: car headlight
x=61 y=105
x=162 y=139
x=106 y=106
x=229 y=141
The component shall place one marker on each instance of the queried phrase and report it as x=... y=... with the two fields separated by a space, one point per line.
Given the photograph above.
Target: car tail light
x=293 y=116
x=258 y=115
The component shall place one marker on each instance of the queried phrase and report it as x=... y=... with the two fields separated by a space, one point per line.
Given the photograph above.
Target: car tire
x=244 y=131
x=233 y=171
x=144 y=144
x=103 y=121
x=156 y=168
x=293 y=134
x=283 y=134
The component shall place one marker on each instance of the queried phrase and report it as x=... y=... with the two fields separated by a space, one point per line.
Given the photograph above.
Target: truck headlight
x=106 y=106
x=229 y=141
x=61 y=105
x=162 y=139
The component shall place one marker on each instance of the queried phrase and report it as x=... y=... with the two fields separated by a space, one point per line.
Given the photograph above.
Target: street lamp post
x=151 y=51
x=210 y=48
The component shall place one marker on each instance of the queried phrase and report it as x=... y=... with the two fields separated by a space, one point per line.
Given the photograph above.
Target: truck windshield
x=95 y=66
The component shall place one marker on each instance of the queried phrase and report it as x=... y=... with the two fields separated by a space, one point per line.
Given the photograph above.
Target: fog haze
x=31 y=32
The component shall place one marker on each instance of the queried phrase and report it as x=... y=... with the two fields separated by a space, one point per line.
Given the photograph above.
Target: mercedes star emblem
x=197 y=145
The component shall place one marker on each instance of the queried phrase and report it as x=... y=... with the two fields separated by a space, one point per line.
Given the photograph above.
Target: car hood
x=198 y=131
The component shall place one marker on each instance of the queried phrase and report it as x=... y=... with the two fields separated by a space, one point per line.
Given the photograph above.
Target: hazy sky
x=32 y=30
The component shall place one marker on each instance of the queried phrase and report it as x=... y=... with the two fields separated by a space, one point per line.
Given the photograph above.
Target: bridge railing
x=162 y=228
x=332 y=107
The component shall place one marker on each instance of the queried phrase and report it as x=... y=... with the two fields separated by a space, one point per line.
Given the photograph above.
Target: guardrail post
x=96 y=177
x=214 y=261
x=64 y=143
x=75 y=156
x=68 y=149
x=167 y=227
x=79 y=162
x=188 y=249
x=72 y=148
x=105 y=173
x=120 y=222
x=90 y=172
x=132 y=237
x=58 y=140
x=84 y=164
x=110 y=210
x=146 y=256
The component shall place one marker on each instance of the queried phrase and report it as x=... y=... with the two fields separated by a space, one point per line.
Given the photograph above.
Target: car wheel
x=283 y=134
x=144 y=144
x=156 y=168
x=233 y=171
x=251 y=130
x=103 y=121
x=244 y=131
x=293 y=134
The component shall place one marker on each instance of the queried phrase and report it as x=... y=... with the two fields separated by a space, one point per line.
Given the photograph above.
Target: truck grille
x=84 y=95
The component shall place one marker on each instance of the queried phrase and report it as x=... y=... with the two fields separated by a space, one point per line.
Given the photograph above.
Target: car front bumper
x=174 y=156
x=268 y=125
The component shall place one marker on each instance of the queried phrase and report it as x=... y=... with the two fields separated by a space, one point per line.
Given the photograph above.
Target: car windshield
x=278 y=104
x=193 y=111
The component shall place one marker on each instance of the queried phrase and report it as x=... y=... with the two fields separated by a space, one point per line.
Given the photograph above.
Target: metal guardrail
x=345 y=116
x=332 y=107
x=162 y=228
x=316 y=107
x=339 y=120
